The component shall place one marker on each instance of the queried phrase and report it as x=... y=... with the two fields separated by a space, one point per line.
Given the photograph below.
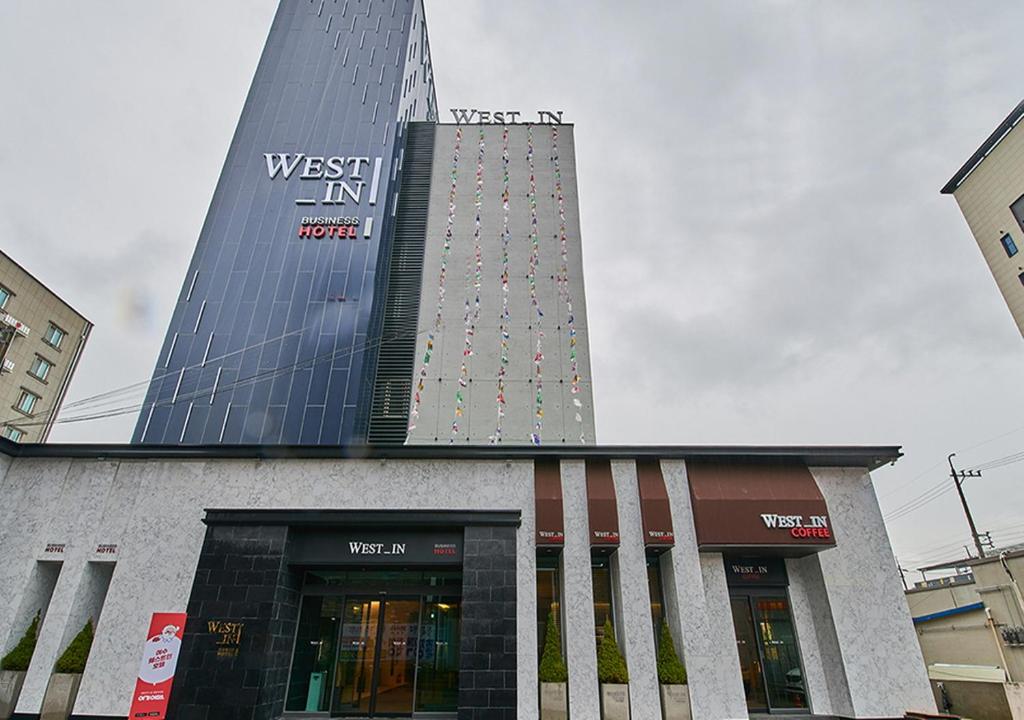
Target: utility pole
x=903 y=574
x=958 y=479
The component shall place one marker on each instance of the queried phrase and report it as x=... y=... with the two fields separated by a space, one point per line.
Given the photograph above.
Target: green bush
x=74 y=657
x=19 y=658
x=611 y=666
x=552 y=664
x=671 y=670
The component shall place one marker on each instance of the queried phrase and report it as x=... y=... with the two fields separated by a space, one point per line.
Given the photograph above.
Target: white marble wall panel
x=25 y=528
x=581 y=651
x=885 y=671
x=35 y=599
x=153 y=511
x=705 y=618
x=71 y=496
x=635 y=599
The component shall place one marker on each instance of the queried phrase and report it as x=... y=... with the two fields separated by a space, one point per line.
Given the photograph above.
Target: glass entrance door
x=376 y=668
x=377 y=644
x=750 y=657
x=768 y=652
x=357 y=655
x=783 y=675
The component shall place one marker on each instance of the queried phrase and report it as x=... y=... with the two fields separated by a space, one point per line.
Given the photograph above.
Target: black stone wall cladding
x=242 y=576
x=487 y=665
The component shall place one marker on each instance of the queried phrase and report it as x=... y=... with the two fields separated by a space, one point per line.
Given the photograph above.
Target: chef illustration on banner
x=156 y=670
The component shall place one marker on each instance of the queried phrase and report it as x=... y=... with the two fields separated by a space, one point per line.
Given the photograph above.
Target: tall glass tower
x=275 y=334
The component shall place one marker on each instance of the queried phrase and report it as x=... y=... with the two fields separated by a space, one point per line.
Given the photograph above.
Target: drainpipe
x=999 y=644
x=1013 y=584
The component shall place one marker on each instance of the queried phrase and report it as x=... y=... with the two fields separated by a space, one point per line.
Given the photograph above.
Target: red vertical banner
x=156 y=671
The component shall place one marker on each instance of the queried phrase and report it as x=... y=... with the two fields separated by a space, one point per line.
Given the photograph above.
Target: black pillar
x=241 y=623
x=487 y=666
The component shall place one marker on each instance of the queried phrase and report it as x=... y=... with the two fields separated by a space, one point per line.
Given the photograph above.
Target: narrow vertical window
x=601 y=576
x=548 y=583
x=657 y=593
x=1009 y=245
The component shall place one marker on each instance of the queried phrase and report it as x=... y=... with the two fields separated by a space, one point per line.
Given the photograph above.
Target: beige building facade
x=41 y=341
x=971 y=631
x=989 y=189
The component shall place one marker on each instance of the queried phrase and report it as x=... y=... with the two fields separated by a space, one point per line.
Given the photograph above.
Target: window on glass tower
x=604 y=609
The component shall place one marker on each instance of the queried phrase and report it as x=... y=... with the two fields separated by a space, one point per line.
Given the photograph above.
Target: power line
x=241 y=382
x=111 y=396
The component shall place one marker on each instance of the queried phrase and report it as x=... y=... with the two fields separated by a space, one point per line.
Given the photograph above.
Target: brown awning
x=547 y=492
x=758 y=506
x=601 y=507
x=654 y=508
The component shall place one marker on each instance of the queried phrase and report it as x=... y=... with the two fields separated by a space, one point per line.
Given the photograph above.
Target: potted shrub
x=554 y=700
x=67 y=676
x=613 y=676
x=13 y=667
x=675 y=696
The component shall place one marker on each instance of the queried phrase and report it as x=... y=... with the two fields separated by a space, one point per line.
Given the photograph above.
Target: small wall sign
x=229 y=638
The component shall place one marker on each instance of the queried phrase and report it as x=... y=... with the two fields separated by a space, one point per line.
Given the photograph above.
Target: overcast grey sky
x=768 y=258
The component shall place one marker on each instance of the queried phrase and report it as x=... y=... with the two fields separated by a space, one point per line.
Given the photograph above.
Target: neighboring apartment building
x=971 y=630
x=41 y=341
x=990 y=191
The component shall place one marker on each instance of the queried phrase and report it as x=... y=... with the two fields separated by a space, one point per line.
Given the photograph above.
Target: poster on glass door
x=156 y=670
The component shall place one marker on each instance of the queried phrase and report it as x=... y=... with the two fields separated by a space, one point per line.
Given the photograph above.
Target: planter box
x=60 y=696
x=614 y=701
x=675 y=702
x=10 y=688
x=554 y=701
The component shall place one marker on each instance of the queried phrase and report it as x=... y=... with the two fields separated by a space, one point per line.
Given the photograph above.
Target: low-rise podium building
x=415 y=581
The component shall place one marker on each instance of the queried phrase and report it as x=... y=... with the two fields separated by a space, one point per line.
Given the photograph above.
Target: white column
x=885 y=671
x=704 y=614
x=634 y=598
x=57 y=630
x=527 y=700
x=824 y=675
x=581 y=651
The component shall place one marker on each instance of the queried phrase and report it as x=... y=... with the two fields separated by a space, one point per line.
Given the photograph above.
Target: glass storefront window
x=657 y=593
x=313 y=661
x=601 y=576
x=437 y=672
x=548 y=584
